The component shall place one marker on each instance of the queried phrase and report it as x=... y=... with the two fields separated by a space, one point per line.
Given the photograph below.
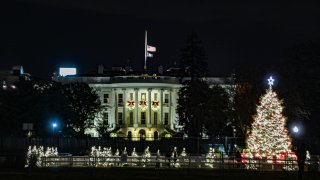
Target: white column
x=149 y=108
x=161 y=107
x=112 y=111
x=136 y=107
x=170 y=106
x=124 y=107
x=116 y=109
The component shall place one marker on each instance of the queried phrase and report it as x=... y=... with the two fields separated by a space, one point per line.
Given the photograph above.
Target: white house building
x=137 y=106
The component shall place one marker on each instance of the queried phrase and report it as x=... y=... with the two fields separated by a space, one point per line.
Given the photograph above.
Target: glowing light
x=295 y=129
x=270 y=81
x=67 y=71
x=54 y=125
x=168 y=135
x=113 y=135
x=4 y=85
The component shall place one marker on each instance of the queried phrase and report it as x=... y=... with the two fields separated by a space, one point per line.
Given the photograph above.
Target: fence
x=117 y=161
x=80 y=146
x=179 y=162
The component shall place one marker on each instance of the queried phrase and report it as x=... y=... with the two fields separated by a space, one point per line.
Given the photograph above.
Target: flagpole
x=145 y=49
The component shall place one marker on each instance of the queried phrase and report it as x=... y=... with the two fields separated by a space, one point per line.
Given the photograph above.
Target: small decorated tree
x=35 y=155
x=210 y=158
x=134 y=157
x=134 y=153
x=183 y=157
x=174 y=157
x=146 y=156
x=117 y=153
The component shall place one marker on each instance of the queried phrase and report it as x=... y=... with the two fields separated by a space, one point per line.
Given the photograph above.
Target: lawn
x=146 y=173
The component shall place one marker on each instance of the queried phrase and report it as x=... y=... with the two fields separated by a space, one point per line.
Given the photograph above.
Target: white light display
x=67 y=71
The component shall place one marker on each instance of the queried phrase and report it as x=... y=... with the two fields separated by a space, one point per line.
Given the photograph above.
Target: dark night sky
x=45 y=34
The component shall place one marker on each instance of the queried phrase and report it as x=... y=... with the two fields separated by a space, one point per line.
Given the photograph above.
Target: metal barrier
x=179 y=162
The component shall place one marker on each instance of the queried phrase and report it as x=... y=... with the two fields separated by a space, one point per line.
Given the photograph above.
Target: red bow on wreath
x=143 y=103
x=130 y=103
x=155 y=103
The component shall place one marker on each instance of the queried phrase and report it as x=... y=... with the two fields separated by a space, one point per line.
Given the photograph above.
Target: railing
x=125 y=125
x=179 y=162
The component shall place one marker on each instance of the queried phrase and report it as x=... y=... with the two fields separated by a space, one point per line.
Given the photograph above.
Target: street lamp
x=295 y=129
x=54 y=125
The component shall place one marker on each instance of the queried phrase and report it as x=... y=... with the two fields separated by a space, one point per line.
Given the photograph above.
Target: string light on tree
x=269 y=136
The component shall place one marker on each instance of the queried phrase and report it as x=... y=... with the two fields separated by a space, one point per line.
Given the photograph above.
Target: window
x=143 y=96
x=166 y=98
x=131 y=96
x=143 y=117
x=156 y=135
x=129 y=135
x=105 y=117
x=155 y=96
x=155 y=118
x=105 y=98
x=131 y=118
x=120 y=118
x=120 y=99
x=166 y=118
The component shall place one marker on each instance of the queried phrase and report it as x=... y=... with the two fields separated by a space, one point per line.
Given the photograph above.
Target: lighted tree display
x=268 y=135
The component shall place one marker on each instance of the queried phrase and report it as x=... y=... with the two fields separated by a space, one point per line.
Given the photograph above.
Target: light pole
x=297 y=132
x=295 y=129
x=54 y=125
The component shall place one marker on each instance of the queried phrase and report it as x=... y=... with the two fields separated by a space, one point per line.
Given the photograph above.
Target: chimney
x=100 y=69
x=160 y=70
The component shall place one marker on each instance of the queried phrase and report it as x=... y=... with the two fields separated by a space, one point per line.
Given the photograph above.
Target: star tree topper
x=270 y=82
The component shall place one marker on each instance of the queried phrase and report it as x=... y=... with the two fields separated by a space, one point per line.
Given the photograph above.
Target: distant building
x=9 y=78
x=138 y=105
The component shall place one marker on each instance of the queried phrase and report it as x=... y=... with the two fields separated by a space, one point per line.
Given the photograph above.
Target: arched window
x=129 y=135
x=142 y=134
x=156 y=135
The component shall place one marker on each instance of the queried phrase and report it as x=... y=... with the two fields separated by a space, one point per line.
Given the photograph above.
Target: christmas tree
x=134 y=157
x=146 y=156
x=210 y=158
x=269 y=136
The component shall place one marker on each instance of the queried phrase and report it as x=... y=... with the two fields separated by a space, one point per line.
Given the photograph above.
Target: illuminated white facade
x=67 y=71
x=136 y=106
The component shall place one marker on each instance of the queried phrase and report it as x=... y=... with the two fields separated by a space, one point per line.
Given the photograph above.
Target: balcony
x=142 y=126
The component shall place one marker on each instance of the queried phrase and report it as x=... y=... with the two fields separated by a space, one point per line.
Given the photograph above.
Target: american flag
x=151 y=48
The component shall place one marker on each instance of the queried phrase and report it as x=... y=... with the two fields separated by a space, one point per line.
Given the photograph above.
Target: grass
x=146 y=174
